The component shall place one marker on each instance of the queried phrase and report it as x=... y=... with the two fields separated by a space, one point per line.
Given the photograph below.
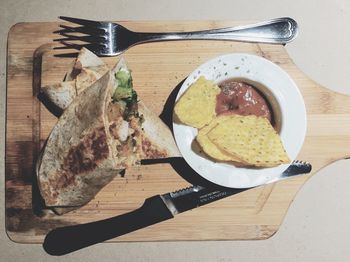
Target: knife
x=154 y=210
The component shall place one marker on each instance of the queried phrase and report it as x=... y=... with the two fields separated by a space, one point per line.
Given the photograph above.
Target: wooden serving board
x=158 y=68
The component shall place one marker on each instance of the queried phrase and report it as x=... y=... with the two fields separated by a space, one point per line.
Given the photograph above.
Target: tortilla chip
x=251 y=139
x=196 y=107
x=209 y=147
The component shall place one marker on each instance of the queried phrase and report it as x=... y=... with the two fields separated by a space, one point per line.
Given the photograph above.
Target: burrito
x=104 y=129
x=96 y=137
x=157 y=139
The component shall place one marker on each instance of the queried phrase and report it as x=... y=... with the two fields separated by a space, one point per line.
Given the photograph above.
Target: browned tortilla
x=79 y=158
x=157 y=139
x=84 y=151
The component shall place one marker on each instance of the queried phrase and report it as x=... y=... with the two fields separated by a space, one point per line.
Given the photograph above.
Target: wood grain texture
x=158 y=68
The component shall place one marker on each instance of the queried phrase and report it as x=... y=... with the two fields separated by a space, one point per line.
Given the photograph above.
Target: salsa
x=241 y=98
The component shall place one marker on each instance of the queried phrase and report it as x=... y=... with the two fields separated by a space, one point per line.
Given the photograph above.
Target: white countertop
x=317 y=224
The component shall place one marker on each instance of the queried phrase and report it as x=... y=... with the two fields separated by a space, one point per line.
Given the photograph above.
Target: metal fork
x=111 y=39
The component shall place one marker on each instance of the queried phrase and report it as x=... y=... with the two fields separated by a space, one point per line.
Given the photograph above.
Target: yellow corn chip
x=209 y=147
x=196 y=107
x=251 y=139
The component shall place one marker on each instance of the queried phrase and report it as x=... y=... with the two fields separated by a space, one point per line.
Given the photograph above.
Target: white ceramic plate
x=280 y=90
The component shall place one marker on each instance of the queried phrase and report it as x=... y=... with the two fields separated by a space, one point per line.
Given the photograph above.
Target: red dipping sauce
x=241 y=98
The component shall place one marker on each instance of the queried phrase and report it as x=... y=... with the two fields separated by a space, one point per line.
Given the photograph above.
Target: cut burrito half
x=96 y=137
x=103 y=131
x=157 y=139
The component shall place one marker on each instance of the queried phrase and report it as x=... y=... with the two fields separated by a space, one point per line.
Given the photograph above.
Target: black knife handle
x=64 y=240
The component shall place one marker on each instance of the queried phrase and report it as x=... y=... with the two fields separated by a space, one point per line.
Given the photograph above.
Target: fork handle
x=274 y=31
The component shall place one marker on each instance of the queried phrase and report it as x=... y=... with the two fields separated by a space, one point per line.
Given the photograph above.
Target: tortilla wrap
x=157 y=139
x=86 y=69
x=86 y=60
x=61 y=94
x=82 y=153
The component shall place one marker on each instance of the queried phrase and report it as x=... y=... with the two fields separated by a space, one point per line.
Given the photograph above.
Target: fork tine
x=66 y=45
x=88 y=38
x=80 y=21
x=81 y=29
